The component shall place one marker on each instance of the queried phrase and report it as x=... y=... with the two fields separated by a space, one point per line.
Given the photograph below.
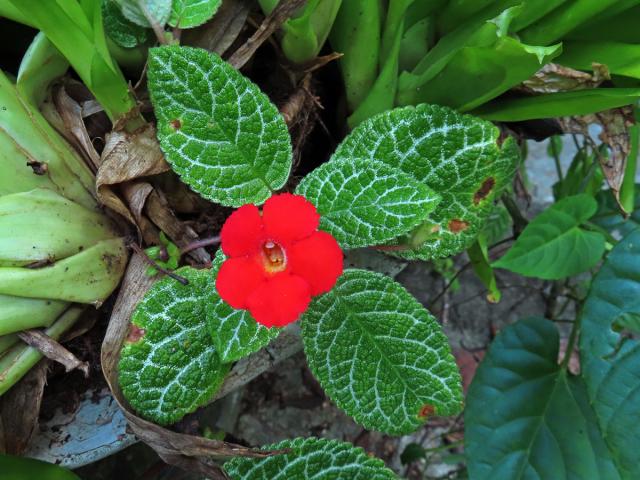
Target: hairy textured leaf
x=140 y=11
x=125 y=33
x=168 y=364
x=191 y=13
x=366 y=202
x=526 y=417
x=219 y=132
x=455 y=155
x=235 y=333
x=379 y=354
x=609 y=363
x=310 y=458
x=553 y=245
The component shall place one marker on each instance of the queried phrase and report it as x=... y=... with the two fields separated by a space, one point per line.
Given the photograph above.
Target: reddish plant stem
x=205 y=242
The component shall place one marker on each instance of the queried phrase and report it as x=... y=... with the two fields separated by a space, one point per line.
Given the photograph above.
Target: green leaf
x=235 y=333
x=379 y=355
x=365 y=202
x=411 y=453
x=497 y=226
x=316 y=458
x=479 y=256
x=219 y=132
x=191 y=13
x=168 y=364
x=608 y=215
x=20 y=468
x=610 y=365
x=619 y=58
x=455 y=155
x=627 y=321
x=553 y=245
x=123 y=32
x=562 y=104
x=526 y=417
x=141 y=11
x=494 y=70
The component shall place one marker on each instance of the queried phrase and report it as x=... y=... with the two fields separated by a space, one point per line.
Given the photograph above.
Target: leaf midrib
x=368 y=335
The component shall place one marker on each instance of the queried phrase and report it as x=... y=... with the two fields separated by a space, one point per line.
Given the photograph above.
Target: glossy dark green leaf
x=19 y=468
x=528 y=418
x=609 y=364
x=609 y=217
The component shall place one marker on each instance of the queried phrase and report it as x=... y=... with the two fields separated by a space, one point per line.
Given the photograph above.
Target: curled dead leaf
x=19 y=410
x=556 y=78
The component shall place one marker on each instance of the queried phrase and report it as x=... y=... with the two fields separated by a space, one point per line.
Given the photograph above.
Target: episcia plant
x=416 y=182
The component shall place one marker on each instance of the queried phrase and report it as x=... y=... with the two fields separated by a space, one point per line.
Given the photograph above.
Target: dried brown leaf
x=273 y=22
x=223 y=29
x=615 y=125
x=158 y=210
x=75 y=130
x=53 y=350
x=615 y=133
x=19 y=410
x=555 y=78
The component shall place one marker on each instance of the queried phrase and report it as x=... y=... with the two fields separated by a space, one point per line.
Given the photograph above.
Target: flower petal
x=287 y=217
x=237 y=279
x=280 y=300
x=242 y=233
x=318 y=259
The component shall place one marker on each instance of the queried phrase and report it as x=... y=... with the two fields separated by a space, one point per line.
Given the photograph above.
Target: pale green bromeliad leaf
x=191 y=13
x=561 y=104
x=139 y=11
x=609 y=364
x=456 y=155
x=379 y=355
x=168 y=364
x=219 y=132
x=553 y=245
x=122 y=31
x=316 y=458
x=235 y=333
x=366 y=202
x=526 y=417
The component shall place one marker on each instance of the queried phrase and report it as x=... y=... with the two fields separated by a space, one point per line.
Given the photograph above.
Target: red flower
x=277 y=259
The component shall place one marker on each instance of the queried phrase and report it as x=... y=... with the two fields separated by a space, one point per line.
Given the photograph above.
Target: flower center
x=274 y=258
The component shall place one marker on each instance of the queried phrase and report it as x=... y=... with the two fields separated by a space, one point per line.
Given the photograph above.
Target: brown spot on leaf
x=39 y=168
x=176 y=124
x=484 y=190
x=456 y=225
x=426 y=411
x=135 y=334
